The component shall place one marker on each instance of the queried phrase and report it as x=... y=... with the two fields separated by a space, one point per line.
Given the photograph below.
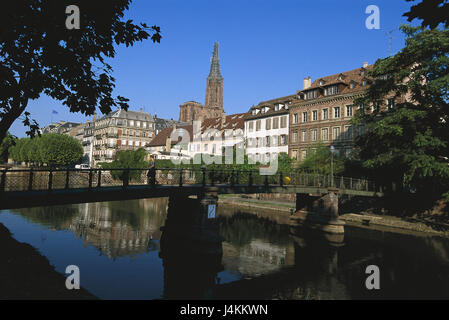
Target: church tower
x=214 y=85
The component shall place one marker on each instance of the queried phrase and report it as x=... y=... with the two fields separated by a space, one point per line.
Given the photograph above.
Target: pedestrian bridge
x=20 y=188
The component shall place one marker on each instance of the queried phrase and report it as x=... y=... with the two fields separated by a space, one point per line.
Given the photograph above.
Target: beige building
x=121 y=130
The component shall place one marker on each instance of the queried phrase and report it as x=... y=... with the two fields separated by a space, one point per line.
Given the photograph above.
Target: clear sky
x=266 y=50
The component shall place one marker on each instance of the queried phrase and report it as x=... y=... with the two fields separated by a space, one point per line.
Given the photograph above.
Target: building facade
x=323 y=111
x=267 y=129
x=192 y=111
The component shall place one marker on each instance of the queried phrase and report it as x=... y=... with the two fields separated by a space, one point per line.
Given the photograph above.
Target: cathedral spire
x=215 y=64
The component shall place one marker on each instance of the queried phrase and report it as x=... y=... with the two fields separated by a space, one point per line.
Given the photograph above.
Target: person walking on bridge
x=152 y=171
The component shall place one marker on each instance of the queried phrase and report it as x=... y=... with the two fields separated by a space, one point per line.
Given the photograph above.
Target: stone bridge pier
x=318 y=211
x=191 y=247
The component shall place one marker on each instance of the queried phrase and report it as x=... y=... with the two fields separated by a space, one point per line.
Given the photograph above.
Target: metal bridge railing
x=54 y=179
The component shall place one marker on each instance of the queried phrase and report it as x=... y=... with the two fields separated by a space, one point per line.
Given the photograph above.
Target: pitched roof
x=161 y=138
x=232 y=121
x=345 y=78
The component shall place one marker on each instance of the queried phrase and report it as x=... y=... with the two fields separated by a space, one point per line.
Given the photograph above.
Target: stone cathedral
x=213 y=106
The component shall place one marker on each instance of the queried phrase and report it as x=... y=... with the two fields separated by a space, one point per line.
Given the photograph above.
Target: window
x=375 y=106
x=348 y=152
x=294 y=154
x=275 y=123
x=390 y=104
x=336 y=133
x=352 y=85
x=364 y=83
x=312 y=94
x=348 y=132
x=325 y=114
x=303 y=154
x=284 y=140
x=336 y=112
x=295 y=118
x=258 y=124
x=214 y=148
x=325 y=134
x=276 y=107
x=349 y=111
x=304 y=117
x=251 y=126
x=268 y=124
x=275 y=141
x=331 y=90
x=284 y=122
x=361 y=129
x=304 y=135
x=198 y=147
x=267 y=141
x=314 y=134
x=314 y=115
x=205 y=147
x=295 y=136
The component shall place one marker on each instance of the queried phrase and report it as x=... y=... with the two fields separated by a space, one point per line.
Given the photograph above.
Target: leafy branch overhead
x=408 y=142
x=39 y=55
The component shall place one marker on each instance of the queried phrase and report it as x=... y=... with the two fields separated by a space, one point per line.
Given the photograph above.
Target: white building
x=266 y=129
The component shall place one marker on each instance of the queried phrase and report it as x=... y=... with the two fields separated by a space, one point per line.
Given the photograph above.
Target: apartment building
x=266 y=129
x=323 y=111
x=123 y=130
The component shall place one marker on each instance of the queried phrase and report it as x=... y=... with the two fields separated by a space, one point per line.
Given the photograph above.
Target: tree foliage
x=7 y=143
x=51 y=149
x=131 y=159
x=410 y=143
x=38 y=54
x=319 y=160
x=432 y=12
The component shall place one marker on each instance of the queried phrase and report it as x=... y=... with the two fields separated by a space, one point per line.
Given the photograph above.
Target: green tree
x=319 y=160
x=410 y=142
x=56 y=149
x=131 y=159
x=5 y=146
x=38 y=54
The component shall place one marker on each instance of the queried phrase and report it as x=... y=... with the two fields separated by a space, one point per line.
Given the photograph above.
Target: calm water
x=117 y=248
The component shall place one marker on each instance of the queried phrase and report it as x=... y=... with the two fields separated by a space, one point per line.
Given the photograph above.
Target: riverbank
x=354 y=219
x=26 y=274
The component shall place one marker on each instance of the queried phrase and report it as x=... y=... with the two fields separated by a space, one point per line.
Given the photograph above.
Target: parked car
x=83 y=166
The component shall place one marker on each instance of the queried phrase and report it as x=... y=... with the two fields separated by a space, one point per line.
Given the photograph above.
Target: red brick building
x=324 y=110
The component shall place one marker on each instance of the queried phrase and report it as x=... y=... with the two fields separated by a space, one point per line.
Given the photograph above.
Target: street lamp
x=332 y=165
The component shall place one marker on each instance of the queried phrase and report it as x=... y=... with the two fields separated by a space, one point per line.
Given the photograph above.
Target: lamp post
x=332 y=165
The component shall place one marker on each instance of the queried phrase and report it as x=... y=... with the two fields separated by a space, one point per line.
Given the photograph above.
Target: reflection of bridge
x=29 y=188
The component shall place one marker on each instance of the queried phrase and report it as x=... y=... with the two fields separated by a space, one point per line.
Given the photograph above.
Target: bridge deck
x=24 y=199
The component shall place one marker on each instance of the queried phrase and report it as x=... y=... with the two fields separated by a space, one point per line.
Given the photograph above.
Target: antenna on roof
x=390 y=38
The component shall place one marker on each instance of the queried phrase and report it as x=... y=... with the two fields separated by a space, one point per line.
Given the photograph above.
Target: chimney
x=168 y=144
x=223 y=119
x=141 y=110
x=365 y=64
x=307 y=82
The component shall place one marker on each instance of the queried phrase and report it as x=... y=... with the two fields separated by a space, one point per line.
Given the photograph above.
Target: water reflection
x=256 y=258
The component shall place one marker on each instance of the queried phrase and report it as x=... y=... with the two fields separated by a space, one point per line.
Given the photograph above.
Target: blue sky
x=266 y=50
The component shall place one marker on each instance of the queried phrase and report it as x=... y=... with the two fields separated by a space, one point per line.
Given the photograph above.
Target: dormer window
x=254 y=112
x=312 y=94
x=331 y=90
x=321 y=82
x=363 y=73
x=276 y=107
x=364 y=83
x=352 y=85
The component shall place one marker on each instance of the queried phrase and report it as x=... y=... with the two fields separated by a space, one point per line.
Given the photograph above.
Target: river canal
x=116 y=246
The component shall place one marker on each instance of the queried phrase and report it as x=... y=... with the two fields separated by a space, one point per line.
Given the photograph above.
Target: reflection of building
x=213 y=106
x=256 y=258
x=116 y=233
